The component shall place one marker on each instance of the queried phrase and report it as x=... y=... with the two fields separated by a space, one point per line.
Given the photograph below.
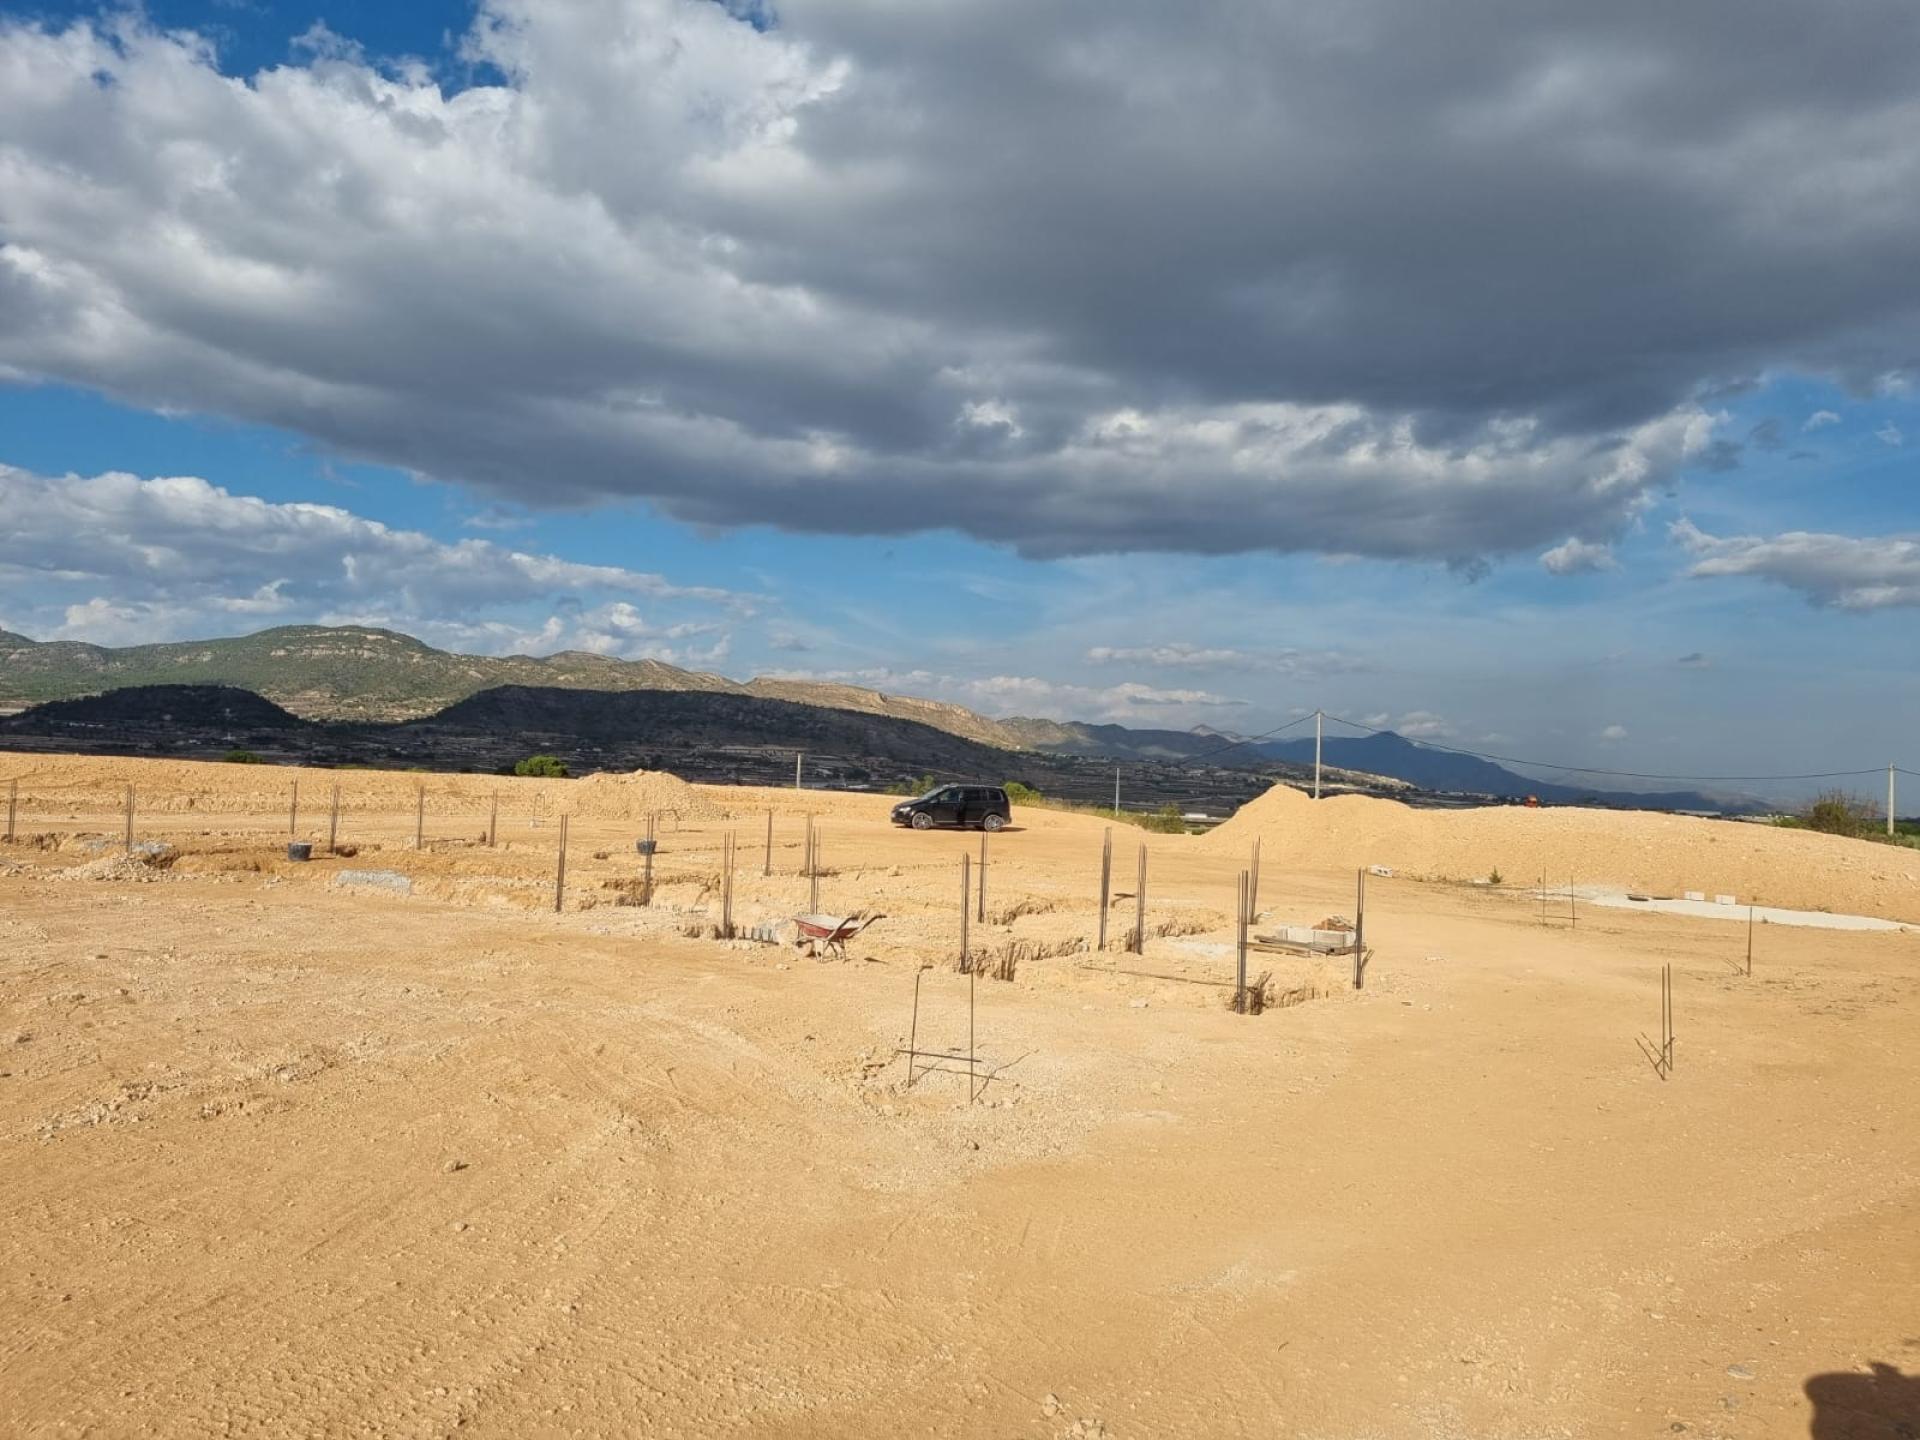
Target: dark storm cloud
x=1385 y=278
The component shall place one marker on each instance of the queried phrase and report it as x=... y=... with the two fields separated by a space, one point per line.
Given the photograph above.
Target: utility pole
x=1116 y=792
x=1316 y=754
x=797 y=757
x=1889 y=802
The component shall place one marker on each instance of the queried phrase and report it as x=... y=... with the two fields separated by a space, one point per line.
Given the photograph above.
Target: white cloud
x=841 y=274
x=1129 y=702
x=1845 y=572
x=1819 y=420
x=1182 y=656
x=1613 y=733
x=1578 y=557
x=158 y=558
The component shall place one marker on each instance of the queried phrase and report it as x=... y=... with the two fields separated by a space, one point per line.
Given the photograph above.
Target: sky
x=1528 y=377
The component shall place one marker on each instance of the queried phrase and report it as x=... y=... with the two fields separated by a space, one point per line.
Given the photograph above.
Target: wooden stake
x=293 y=812
x=560 y=870
x=129 y=817
x=1106 y=885
x=766 y=866
x=1243 y=908
x=13 y=804
x=333 y=823
x=493 y=819
x=980 y=892
x=420 y=818
x=1140 y=907
x=726 y=888
x=1360 y=928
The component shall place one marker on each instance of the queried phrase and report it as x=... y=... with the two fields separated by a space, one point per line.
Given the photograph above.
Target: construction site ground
x=380 y=1144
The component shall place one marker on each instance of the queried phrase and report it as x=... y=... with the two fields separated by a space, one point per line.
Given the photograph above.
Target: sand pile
x=611 y=796
x=1637 y=850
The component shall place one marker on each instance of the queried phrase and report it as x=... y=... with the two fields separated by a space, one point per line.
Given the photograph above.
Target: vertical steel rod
x=560 y=870
x=493 y=819
x=913 y=1030
x=766 y=866
x=966 y=867
x=1253 y=886
x=13 y=804
x=420 y=818
x=129 y=817
x=1244 y=905
x=1573 y=915
x=1749 y=938
x=293 y=812
x=333 y=822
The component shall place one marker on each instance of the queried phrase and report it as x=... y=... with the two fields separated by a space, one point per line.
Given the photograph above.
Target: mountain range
x=360 y=675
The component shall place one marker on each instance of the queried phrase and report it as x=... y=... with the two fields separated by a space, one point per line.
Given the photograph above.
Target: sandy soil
x=285 y=1157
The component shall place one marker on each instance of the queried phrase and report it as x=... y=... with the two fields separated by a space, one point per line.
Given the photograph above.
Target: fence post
x=333 y=822
x=560 y=871
x=293 y=812
x=493 y=818
x=129 y=817
x=420 y=818
x=766 y=866
x=13 y=802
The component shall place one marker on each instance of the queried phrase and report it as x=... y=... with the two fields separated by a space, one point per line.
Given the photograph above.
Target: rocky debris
x=374 y=880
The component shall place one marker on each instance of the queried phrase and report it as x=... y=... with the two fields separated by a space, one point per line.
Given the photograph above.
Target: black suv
x=983 y=807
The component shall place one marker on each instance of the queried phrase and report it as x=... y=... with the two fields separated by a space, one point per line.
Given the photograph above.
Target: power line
x=1250 y=740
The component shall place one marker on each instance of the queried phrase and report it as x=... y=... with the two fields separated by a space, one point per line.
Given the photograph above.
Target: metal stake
x=766 y=867
x=560 y=870
x=913 y=1030
x=333 y=822
x=966 y=876
x=420 y=818
x=493 y=819
x=293 y=812
x=129 y=817
x=13 y=803
x=1360 y=928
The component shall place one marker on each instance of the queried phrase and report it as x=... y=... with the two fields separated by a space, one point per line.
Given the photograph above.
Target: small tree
x=1836 y=812
x=547 y=767
x=1019 y=794
x=911 y=786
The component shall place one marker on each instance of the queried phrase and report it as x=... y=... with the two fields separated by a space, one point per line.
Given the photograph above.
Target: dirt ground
x=283 y=1155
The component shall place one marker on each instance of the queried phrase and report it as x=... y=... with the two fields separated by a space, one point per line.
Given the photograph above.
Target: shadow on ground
x=1876 y=1404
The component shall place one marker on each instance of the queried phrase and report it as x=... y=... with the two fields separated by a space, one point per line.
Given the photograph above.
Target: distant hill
x=356 y=673
x=1446 y=770
x=1115 y=742
x=713 y=720
x=209 y=707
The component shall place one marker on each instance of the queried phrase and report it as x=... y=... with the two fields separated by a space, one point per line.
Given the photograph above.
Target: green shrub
x=1019 y=794
x=1835 y=812
x=1164 y=821
x=242 y=757
x=548 y=767
x=910 y=786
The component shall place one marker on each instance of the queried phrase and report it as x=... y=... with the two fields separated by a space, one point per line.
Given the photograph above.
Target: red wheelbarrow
x=832 y=931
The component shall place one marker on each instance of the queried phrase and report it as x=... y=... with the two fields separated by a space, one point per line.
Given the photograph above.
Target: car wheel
x=923 y=821
x=993 y=822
